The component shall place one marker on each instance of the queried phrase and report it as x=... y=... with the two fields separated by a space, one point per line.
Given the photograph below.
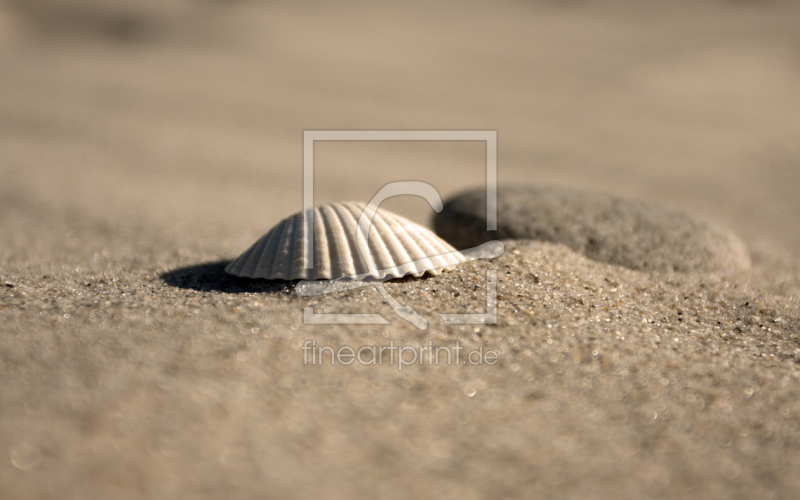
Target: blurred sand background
x=140 y=137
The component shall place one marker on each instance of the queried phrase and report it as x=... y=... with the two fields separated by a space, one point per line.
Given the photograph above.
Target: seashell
x=395 y=246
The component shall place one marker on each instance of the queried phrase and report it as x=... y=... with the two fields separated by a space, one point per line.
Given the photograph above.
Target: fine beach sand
x=144 y=144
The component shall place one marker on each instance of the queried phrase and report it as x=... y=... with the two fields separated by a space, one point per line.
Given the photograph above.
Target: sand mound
x=626 y=233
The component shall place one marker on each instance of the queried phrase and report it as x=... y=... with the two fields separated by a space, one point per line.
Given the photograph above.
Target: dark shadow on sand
x=211 y=277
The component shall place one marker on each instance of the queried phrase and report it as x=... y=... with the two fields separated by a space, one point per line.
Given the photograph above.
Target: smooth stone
x=627 y=233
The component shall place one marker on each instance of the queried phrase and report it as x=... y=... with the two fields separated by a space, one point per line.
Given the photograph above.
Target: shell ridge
x=378 y=250
x=340 y=251
x=235 y=267
x=449 y=255
x=423 y=239
x=408 y=241
x=298 y=231
x=273 y=267
x=322 y=258
x=330 y=239
x=381 y=249
x=360 y=265
x=353 y=213
x=447 y=251
x=397 y=253
x=265 y=263
x=250 y=264
x=298 y=252
x=241 y=262
x=442 y=255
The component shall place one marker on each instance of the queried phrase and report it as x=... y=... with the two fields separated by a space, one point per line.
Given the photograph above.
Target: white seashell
x=396 y=245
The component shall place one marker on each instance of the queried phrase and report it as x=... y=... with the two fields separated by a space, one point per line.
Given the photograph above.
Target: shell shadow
x=211 y=277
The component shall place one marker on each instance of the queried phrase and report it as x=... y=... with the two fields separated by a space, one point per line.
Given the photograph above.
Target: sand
x=143 y=145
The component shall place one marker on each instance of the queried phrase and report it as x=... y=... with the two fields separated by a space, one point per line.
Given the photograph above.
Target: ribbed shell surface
x=396 y=245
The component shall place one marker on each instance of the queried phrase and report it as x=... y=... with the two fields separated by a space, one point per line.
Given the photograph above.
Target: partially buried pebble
x=605 y=228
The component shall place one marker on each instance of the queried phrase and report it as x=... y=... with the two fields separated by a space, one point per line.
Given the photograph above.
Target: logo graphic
x=487 y=250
